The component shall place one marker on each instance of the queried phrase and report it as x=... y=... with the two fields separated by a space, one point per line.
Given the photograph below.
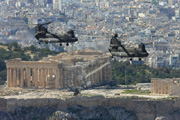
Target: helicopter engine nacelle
x=142 y=47
x=40 y=35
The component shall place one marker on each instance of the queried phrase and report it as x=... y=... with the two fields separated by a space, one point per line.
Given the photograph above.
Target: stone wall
x=145 y=110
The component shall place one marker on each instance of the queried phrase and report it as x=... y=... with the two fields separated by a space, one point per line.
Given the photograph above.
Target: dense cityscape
x=155 y=23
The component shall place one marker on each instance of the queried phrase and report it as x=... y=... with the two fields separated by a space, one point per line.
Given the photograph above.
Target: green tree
x=132 y=74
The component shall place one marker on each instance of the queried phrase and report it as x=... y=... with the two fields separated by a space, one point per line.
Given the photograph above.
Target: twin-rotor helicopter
x=116 y=48
x=119 y=50
x=43 y=35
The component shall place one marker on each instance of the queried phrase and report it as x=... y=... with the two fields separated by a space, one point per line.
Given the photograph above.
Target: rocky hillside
x=59 y=104
x=71 y=113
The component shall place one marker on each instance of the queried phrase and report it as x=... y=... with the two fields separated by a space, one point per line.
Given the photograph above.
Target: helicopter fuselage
x=120 y=51
x=53 y=38
x=43 y=35
x=131 y=52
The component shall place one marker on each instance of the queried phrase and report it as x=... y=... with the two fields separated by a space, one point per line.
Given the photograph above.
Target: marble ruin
x=165 y=86
x=80 y=68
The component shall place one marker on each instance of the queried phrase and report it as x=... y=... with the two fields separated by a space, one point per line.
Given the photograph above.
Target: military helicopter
x=43 y=35
x=119 y=50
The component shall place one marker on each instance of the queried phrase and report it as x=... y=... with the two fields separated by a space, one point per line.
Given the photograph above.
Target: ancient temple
x=169 y=86
x=79 y=68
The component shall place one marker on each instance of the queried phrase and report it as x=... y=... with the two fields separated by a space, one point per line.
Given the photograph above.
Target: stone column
x=11 y=77
x=100 y=75
x=69 y=76
x=53 y=78
x=170 y=88
x=14 y=77
x=167 y=88
x=28 y=77
x=57 y=82
x=73 y=76
x=103 y=73
x=22 y=77
x=36 y=77
x=33 y=76
x=46 y=76
x=163 y=91
x=39 y=77
x=159 y=86
x=43 y=78
x=49 y=78
x=18 y=77
x=61 y=78
x=68 y=82
x=94 y=78
x=156 y=88
x=106 y=72
x=64 y=78
x=91 y=77
x=97 y=78
x=8 y=77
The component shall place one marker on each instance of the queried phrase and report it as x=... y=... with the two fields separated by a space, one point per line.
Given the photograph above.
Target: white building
x=174 y=60
x=58 y=5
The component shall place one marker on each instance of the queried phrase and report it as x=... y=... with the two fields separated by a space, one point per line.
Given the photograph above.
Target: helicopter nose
x=147 y=54
x=37 y=36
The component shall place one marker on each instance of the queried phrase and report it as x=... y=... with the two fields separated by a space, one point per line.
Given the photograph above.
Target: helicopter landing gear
x=140 y=59
x=60 y=44
x=67 y=44
x=131 y=59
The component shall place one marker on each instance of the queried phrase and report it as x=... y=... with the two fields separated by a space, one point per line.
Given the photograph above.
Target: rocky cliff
x=71 y=113
x=89 y=108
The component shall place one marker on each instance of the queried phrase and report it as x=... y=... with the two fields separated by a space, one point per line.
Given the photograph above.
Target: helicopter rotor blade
x=45 y=23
